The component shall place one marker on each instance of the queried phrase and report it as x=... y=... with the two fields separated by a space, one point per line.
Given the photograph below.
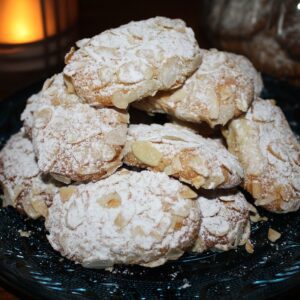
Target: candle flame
x=20 y=21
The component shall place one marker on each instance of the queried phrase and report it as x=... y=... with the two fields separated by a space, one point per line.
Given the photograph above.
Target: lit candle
x=20 y=21
x=35 y=34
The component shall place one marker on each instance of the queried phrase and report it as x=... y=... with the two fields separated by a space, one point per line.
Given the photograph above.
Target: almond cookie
x=142 y=218
x=222 y=88
x=54 y=92
x=72 y=140
x=133 y=61
x=225 y=221
x=270 y=155
x=23 y=185
x=183 y=154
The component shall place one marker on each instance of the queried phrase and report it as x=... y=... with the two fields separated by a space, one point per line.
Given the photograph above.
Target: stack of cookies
x=112 y=192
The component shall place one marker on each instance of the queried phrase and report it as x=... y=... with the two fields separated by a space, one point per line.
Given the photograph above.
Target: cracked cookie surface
x=23 y=184
x=132 y=61
x=141 y=218
x=270 y=155
x=222 y=88
x=225 y=222
x=180 y=152
x=72 y=140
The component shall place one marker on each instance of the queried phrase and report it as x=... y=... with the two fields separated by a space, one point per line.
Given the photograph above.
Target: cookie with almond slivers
x=129 y=218
x=222 y=88
x=182 y=153
x=225 y=221
x=269 y=152
x=133 y=61
x=25 y=188
x=72 y=140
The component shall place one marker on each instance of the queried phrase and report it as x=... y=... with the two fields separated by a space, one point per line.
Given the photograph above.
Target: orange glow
x=20 y=21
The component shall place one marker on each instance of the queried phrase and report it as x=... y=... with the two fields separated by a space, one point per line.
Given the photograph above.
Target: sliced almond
x=119 y=100
x=174 y=254
x=169 y=170
x=130 y=73
x=155 y=263
x=61 y=178
x=177 y=222
x=172 y=138
x=48 y=83
x=217 y=225
x=273 y=235
x=69 y=55
x=116 y=136
x=198 y=164
x=111 y=200
x=120 y=221
x=69 y=85
x=42 y=117
x=255 y=218
x=156 y=235
x=176 y=164
x=168 y=72
x=67 y=192
x=262 y=202
x=29 y=209
x=198 y=181
x=249 y=247
x=40 y=207
x=256 y=189
x=296 y=182
x=55 y=101
x=183 y=211
x=24 y=233
x=106 y=75
x=138 y=230
x=166 y=206
x=229 y=198
x=277 y=151
x=187 y=193
x=146 y=153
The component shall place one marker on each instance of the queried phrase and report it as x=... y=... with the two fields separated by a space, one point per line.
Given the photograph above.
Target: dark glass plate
x=29 y=265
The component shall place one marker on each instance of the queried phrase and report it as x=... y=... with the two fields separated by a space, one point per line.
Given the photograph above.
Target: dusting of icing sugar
x=18 y=158
x=145 y=224
x=53 y=91
x=21 y=179
x=221 y=88
x=224 y=224
x=270 y=155
x=171 y=140
x=72 y=139
x=140 y=57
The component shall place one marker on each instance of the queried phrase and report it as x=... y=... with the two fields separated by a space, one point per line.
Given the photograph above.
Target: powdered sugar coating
x=127 y=218
x=23 y=185
x=201 y=162
x=225 y=222
x=222 y=88
x=133 y=61
x=72 y=140
x=270 y=155
x=247 y=67
x=54 y=92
